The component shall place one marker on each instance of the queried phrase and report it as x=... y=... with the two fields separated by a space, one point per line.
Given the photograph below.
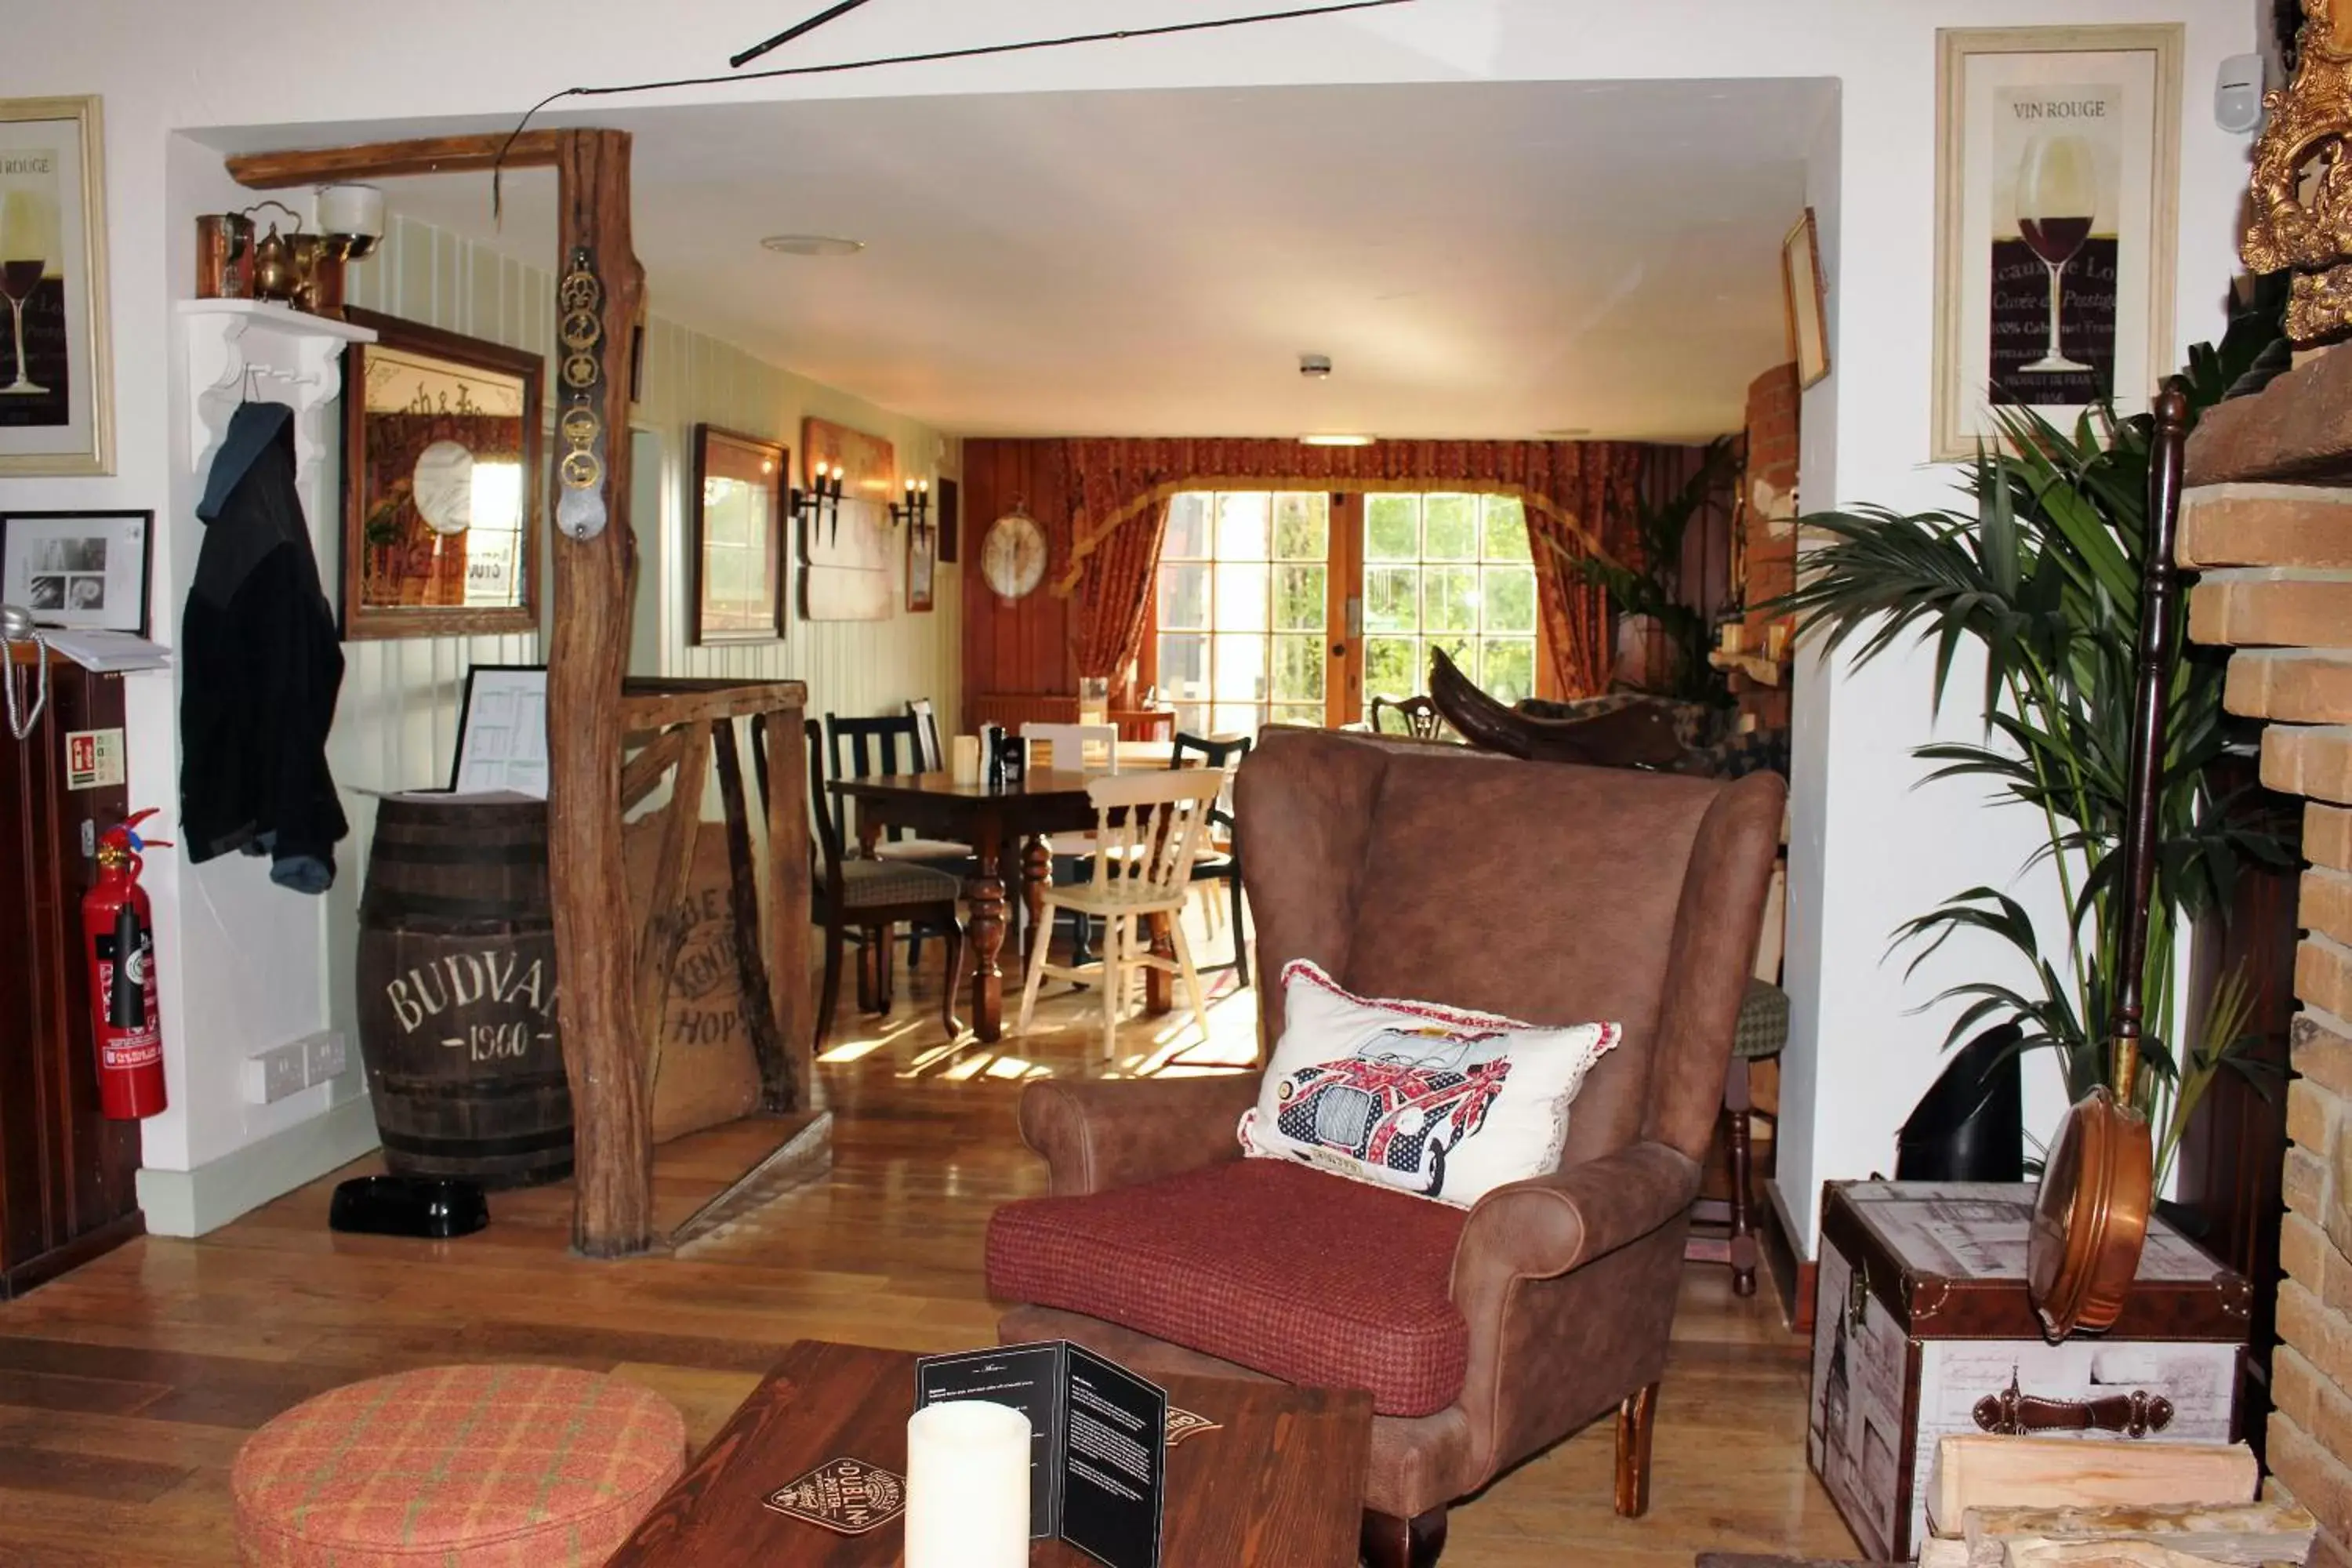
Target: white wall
x=1870 y=847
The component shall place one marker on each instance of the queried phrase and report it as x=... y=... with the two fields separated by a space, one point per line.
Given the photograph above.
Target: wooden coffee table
x=1281 y=1482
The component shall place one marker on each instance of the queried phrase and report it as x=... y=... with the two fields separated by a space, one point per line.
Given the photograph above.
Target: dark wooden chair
x=1416 y=716
x=852 y=895
x=894 y=744
x=931 y=753
x=1224 y=867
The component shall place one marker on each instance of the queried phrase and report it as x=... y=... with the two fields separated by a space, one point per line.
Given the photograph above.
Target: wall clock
x=1012 y=556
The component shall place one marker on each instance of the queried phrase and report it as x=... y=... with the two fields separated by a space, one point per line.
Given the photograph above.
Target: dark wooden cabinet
x=68 y=1176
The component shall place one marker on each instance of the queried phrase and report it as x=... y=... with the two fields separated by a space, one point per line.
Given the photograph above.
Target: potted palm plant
x=2043 y=570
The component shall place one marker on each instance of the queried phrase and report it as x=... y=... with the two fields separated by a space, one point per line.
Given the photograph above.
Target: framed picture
x=738 y=537
x=502 y=731
x=83 y=569
x=922 y=564
x=56 y=398
x=1805 y=301
x=946 y=501
x=2057 y=178
x=442 y=481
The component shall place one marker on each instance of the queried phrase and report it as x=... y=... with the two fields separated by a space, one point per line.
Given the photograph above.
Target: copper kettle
x=276 y=267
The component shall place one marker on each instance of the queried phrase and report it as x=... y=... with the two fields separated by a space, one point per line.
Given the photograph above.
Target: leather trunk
x=1922 y=1328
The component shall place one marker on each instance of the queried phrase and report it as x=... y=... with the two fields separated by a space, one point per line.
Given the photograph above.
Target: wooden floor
x=125 y=1388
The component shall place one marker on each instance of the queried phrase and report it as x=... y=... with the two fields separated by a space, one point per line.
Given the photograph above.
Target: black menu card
x=1098 y=1470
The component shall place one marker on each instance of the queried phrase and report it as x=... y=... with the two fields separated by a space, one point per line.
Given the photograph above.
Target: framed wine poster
x=2057 y=172
x=57 y=413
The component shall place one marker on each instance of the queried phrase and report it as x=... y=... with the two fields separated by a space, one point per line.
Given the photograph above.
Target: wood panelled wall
x=1022 y=647
x=1015 y=647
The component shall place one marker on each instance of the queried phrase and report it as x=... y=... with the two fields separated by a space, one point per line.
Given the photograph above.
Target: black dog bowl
x=433 y=1207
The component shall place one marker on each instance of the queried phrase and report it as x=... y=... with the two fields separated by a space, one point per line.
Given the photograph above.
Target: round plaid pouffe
x=456 y=1467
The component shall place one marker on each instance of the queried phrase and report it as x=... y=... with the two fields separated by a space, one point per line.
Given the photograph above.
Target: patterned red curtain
x=1577 y=495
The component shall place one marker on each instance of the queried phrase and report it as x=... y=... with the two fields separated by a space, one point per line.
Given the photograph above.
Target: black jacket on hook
x=260 y=666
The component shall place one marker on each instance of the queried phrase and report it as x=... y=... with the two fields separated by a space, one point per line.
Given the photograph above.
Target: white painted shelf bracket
x=241 y=348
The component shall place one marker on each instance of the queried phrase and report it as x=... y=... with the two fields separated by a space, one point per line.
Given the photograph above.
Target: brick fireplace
x=2267 y=520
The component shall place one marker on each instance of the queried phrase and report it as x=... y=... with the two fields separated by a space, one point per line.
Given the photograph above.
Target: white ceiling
x=1478 y=259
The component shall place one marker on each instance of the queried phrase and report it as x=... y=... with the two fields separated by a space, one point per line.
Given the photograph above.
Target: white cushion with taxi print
x=1438 y=1102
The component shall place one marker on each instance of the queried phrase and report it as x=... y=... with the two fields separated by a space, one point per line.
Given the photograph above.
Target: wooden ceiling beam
x=391 y=160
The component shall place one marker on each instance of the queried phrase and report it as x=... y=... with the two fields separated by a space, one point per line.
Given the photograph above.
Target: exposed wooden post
x=786 y=756
x=605 y=1054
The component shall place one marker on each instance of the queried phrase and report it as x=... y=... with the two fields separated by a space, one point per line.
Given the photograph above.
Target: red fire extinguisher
x=119 y=932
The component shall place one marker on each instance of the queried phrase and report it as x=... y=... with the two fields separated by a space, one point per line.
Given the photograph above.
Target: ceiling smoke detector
x=812 y=245
x=1315 y=367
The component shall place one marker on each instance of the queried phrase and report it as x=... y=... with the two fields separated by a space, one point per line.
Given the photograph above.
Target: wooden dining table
x=1007 y=830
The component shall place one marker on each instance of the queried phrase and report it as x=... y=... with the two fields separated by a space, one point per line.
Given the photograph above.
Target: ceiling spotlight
x=812 y=245
x=1566 y=433
x=1315 y=367
x=1337 y=440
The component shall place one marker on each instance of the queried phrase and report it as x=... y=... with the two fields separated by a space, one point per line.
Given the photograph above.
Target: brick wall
x=2275 y=559
x=1768 y=521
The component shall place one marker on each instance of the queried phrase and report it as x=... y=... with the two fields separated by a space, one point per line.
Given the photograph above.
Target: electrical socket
x=329 y=1055
x=282 y=1070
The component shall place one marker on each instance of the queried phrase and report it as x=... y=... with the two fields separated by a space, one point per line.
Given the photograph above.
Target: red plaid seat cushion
x=1294 y=1273
x=456 y=1467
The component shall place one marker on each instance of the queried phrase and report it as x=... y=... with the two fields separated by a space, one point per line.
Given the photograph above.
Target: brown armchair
x=1551 y=893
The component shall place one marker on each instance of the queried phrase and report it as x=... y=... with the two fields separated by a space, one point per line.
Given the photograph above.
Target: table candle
x=967 y=759
x=968 y=1486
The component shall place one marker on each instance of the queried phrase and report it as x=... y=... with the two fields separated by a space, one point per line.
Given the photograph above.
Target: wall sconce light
x=917 y=508
x=821 y=502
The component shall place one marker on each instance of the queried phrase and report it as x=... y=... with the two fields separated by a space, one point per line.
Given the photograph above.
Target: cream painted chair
x=1075 y=747
x=1148 y=828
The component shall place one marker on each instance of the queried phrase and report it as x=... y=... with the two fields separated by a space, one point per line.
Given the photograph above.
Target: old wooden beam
x=643 y=773
x=390 y=160
x=605 y=1054
x=752 y=914
x=664 y=932
x=785 y=755
x=656 y=704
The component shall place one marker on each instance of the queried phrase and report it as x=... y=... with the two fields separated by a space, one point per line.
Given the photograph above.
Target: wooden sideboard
x=68 y=1176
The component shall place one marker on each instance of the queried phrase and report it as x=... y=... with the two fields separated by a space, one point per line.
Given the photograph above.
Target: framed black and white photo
x=57 y=403
x=82 y=570
x=2057 y=174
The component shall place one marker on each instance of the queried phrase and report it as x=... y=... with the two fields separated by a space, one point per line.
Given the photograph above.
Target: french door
x=1296 y=607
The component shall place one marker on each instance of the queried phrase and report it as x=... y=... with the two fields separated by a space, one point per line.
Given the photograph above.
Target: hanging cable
x=789 y=34
x=974 y=51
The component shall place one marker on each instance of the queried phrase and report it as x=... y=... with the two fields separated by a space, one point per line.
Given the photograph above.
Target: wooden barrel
x=457 y=993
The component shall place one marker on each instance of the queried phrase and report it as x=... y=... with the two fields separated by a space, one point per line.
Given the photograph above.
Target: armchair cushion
x=1439 y=1102
x=1273 y=1267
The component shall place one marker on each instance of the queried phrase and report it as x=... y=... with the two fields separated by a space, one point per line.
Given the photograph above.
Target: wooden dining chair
x=1416 y=716
x=1149 y=828
x=932 y=757
x=1074 y=747
x=1213 y=866
x=869 y=899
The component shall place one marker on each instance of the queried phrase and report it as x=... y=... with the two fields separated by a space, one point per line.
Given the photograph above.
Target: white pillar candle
x=967 y=759
x=968 y=1486
x=351 y=209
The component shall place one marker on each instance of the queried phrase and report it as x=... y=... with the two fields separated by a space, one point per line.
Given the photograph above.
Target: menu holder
x=1098 y=1464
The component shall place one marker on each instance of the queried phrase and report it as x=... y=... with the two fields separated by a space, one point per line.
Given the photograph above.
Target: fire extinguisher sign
x=93 y=758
